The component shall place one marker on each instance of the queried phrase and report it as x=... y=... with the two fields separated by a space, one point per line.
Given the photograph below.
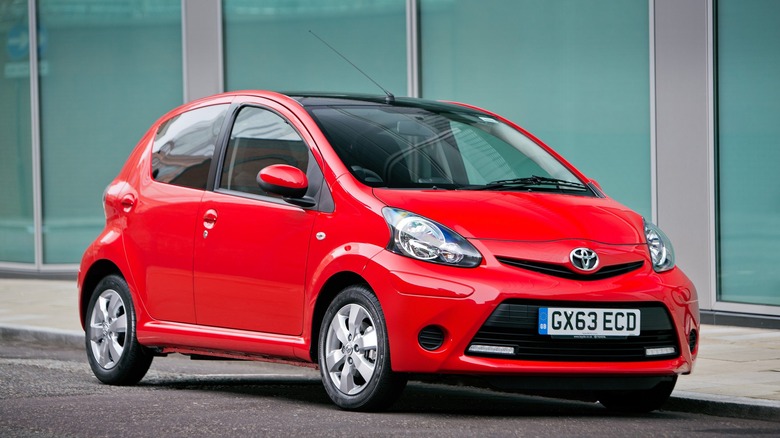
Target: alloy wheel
x=107 y=329
x=351 y=349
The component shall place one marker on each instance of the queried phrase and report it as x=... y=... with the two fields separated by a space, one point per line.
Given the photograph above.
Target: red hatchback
x=381 y=239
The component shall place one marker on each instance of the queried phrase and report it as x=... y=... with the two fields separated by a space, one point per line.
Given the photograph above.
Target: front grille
x=514 y=324
x=564 y=272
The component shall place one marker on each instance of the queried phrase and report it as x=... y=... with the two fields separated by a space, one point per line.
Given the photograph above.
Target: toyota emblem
x=584 y=259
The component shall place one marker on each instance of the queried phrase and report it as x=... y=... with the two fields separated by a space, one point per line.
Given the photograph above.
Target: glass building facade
x=106 y=71
x=573 y=72
x=270 y=42
x=17 y=230
x=748 y=145
x=670 y=105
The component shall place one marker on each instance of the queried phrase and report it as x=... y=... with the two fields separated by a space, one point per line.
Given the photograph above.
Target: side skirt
x=172 y=337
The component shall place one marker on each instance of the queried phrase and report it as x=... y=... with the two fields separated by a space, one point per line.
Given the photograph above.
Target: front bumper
x=417 y=296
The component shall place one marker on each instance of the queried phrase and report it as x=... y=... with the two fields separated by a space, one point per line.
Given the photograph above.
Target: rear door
x=162 y=209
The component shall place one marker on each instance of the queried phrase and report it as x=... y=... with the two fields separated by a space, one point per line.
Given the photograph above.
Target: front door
x=251 y=246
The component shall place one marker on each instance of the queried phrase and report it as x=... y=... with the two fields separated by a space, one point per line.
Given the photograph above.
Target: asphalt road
x=50 y=392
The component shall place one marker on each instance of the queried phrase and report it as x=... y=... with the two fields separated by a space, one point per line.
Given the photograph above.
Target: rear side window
x=184 y=146
x=260 y=138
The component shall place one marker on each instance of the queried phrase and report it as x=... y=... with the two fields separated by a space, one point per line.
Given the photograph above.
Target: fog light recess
x=431 y=337
x=693 y=338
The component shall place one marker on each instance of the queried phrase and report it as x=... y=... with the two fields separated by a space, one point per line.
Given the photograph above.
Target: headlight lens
x=661 y=251
x=423 y=239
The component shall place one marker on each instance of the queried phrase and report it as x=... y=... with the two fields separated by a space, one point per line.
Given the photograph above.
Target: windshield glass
x=411 y=147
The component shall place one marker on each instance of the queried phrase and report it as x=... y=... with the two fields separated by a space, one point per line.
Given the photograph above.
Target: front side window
x=413 y=147
x=259 y=138
x=184 y=146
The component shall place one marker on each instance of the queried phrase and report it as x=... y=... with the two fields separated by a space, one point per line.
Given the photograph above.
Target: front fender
x=350 y=257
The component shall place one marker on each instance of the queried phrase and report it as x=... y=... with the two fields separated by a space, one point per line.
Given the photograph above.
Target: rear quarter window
x=184 y=146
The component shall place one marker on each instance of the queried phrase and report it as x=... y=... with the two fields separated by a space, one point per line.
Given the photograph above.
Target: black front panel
x=514 y=324
x=562 y=271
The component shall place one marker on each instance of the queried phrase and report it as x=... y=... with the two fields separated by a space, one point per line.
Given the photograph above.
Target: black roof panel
x=308 y=100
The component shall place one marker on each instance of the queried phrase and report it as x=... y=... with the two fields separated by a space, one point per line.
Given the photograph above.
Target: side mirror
x=283 y=180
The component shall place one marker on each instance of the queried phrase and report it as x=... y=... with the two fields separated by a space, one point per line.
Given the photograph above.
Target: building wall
x=671 y=105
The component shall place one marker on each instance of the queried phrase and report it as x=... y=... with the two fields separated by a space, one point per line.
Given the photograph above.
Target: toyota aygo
x=381 y=239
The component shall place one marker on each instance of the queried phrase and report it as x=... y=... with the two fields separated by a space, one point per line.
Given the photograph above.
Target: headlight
x=423 y=239
x=661 y=251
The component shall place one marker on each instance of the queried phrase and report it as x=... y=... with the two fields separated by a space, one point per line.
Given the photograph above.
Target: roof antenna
x=389 y=98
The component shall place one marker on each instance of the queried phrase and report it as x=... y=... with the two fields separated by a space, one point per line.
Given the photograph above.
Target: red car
x=381 y=239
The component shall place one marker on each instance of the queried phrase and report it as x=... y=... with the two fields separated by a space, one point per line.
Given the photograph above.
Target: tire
x=113 y=351
x=354 y=354
x=638 y=401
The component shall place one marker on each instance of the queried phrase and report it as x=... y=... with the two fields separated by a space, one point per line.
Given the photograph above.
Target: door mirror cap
x=283 y=180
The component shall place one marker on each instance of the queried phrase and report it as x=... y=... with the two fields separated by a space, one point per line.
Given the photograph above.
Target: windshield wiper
x=531 y=181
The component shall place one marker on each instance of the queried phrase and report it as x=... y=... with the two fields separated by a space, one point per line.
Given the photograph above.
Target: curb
x=723 y=406
x=55 y=337
x=680 y=401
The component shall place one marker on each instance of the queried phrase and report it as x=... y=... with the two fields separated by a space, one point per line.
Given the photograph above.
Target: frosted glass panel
x=16 y=195
x=268 y=45
x=111 y=71
x=748 y=67
x=573 y=72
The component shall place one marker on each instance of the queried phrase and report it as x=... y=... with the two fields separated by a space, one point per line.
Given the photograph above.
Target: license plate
x=560 y=321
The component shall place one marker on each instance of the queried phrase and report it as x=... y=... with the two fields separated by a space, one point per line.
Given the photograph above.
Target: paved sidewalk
x=737 y=372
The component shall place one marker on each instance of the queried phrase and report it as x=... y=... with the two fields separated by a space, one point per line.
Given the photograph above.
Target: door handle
x=128 y=202
x=210 y=218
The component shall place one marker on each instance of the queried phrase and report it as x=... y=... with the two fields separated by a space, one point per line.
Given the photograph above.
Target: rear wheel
x=354 y=355
x=638 y=401
x=114 y=353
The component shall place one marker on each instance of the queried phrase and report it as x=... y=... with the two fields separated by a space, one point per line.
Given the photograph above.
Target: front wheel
x=354 y=355
x=114 y=353
x=638 y=401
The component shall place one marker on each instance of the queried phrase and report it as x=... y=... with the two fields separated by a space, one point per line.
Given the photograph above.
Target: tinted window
x=184 y=145
x=260 y=138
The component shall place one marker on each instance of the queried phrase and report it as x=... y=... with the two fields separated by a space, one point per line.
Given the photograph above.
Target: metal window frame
x=35 y=139
x=202 y=48
x=413 y=48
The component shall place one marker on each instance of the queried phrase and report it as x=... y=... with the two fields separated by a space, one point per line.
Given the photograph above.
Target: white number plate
x=560 y=321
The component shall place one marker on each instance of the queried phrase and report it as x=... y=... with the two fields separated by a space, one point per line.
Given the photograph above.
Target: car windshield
x=413 y=147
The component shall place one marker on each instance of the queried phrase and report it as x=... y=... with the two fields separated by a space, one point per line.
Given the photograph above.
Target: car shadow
x=418 y=397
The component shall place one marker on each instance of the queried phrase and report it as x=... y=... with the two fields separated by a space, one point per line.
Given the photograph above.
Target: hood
x=521 y=216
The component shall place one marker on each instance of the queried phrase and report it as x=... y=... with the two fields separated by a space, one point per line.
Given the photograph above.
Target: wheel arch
x=330 y=289
x=97 y=271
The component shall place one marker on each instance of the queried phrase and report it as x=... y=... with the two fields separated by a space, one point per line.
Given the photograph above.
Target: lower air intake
x=693 y=338
x=513 y=327
x=431 y=337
